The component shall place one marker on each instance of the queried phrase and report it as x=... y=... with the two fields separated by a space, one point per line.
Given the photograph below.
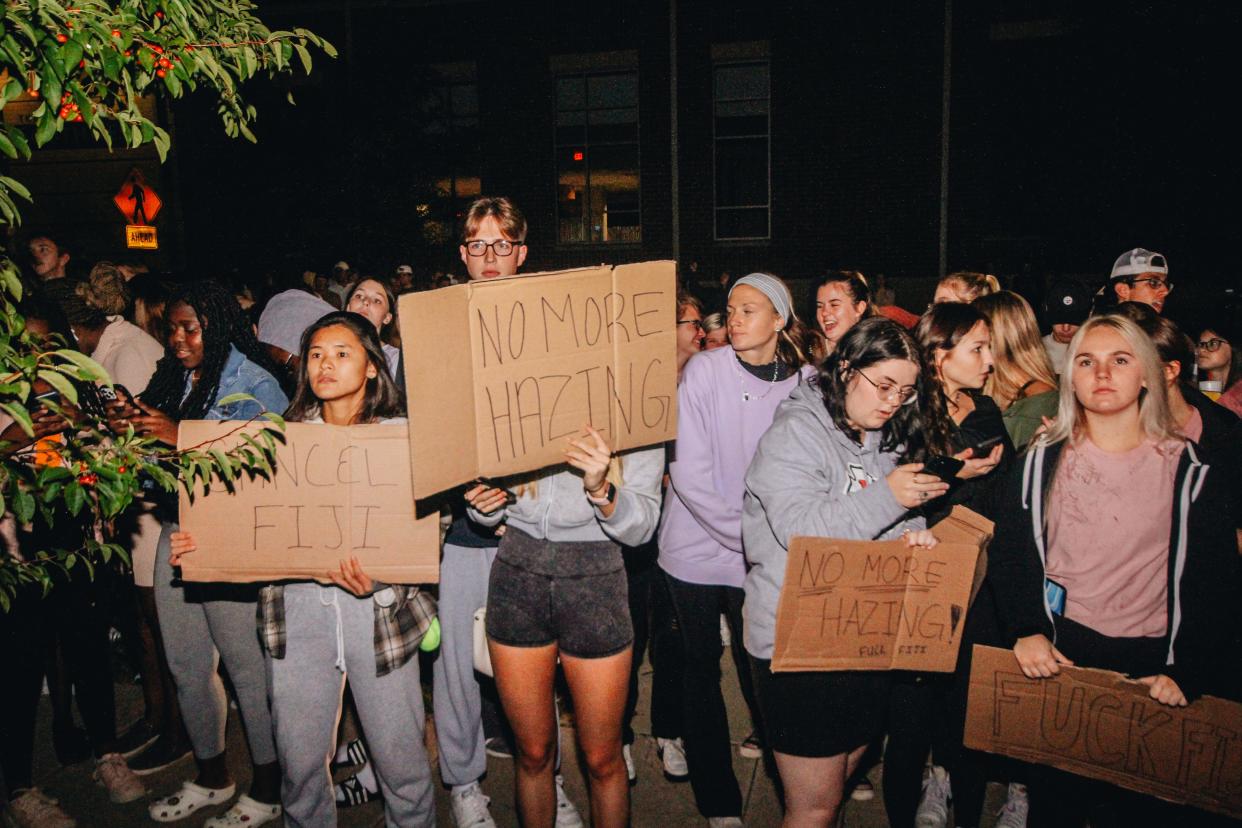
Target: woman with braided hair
x=212 y=353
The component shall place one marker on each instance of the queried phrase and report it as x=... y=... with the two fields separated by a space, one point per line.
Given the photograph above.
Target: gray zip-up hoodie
x=809 y=478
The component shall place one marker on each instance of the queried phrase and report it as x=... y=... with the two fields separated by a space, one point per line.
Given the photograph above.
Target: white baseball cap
x=1138 y=261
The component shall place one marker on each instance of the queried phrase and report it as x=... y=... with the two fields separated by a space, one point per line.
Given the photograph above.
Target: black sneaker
x=352 y=792
x=164 y=753
x=71 y=745
x=136 y=739
x=355 y=754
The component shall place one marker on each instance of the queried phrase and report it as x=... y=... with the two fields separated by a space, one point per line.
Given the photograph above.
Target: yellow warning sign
x=141 y=237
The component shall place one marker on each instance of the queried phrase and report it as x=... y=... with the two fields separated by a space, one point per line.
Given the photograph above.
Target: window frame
x=585 y=67
x=718 y=62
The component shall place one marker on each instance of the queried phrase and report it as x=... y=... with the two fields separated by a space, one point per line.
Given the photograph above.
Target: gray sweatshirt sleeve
x=637 y=512
x=801 y=485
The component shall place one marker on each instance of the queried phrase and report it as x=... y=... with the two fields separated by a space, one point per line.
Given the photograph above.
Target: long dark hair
x=855 y=285
x=383 y=398
x=941 y=328
x=224 y=327
x=386 y=286
x=874 y=340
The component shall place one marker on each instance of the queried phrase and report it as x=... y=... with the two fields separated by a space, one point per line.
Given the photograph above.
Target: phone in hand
x=942 y=466
x=984 y=447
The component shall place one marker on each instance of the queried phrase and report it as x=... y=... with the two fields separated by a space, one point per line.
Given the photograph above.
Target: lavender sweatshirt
x=717 y=432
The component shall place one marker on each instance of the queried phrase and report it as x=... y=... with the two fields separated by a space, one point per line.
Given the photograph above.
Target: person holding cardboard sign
x=834 y=464
x=212 y=353
x=1119 y=553
x=315 y=636
x=558 y=590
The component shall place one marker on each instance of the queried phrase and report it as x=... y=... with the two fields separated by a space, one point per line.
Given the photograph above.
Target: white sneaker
x=631 y=772
x=469 y=807
x=567 y=815
x=933 y=809
x=725 y=822
x=673 y=754
x=1013 y=815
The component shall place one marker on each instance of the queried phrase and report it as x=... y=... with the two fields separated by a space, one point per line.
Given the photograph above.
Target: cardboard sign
x=336 y=492
x=499 y=373
x=1099 y=724
x=880 y=605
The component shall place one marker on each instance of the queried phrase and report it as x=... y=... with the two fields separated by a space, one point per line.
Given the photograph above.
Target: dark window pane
x=732 y=127
x=742 y=81
x=570 y=135
x=742 y=172
x=612 y=90
x=614 y=133
x=571 y=93
x=742 y=224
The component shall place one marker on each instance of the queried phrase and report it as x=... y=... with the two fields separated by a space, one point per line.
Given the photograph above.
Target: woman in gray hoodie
x=834 y=464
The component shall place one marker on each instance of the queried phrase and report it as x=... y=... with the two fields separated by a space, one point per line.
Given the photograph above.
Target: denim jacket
x=241 y=376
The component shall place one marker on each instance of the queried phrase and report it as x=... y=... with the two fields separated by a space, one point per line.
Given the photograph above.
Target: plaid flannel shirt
x=399 y=626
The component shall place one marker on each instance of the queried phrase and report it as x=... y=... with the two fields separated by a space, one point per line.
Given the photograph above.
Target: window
x=741 y=95
x=451 y=107
x=597 y=178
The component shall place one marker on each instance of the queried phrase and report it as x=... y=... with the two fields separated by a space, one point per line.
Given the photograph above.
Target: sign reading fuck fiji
x=335 y=492
x=501 y=373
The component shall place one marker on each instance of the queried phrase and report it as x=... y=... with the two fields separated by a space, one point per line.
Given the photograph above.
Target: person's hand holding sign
x=1165 y=690
x=591 y=455
x=486 y=499
x=180 y=543
x=351 y=578
x=1038 y=658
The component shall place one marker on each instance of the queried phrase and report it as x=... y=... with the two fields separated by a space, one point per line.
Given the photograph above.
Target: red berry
x=62 y=38
x=116 y=32
x=120 y=469
x=160 y=15
x=161 y=72
x=128 y=53
x=82 y=64
x=34 y=93
x=88 y=479
x=78 y=119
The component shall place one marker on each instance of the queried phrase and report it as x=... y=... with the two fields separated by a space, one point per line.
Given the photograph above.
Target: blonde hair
x=1154 y=416
x=1018 y=352
x=105 y=290
x=972 y=285
x=713 y=322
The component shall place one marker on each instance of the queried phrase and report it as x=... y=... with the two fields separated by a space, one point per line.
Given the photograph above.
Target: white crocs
x=186 y=801
x=245 y=812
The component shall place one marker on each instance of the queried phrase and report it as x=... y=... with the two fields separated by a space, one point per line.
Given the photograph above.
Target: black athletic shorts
x=574 y=594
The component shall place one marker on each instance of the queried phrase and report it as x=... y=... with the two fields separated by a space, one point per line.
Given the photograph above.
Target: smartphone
x=946 y=468
x=984 y=447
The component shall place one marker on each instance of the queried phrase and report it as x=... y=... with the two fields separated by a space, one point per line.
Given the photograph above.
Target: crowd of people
x=1101 y=449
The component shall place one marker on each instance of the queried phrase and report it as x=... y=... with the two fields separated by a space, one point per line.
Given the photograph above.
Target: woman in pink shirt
x=1119 y=552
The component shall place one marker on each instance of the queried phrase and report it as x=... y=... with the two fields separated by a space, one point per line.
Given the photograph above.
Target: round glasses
x=889 y=391
x=501 y=247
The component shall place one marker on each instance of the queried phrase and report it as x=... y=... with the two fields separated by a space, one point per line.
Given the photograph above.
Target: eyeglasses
x=1211 y=345
x=501 y=247
x=1153 y=283
x=888 y=391
x=698 y=323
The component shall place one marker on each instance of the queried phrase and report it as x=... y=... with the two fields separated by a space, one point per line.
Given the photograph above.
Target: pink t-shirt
x=1109 y=519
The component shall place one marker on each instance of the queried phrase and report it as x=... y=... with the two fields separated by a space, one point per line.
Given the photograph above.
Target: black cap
x=1068 y=303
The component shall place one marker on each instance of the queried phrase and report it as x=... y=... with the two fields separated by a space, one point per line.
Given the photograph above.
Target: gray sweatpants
x=197 y=634
x=327 y=629
x=458 y=707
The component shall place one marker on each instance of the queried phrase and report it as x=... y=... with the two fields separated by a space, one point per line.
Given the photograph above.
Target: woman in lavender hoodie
x=726 y=401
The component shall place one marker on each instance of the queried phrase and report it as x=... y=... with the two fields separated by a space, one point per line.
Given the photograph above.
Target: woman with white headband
x=726 y=402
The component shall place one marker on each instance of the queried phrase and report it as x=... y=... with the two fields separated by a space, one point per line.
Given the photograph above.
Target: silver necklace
x=741 y=380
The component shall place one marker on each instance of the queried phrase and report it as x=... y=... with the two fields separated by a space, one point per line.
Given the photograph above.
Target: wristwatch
x=610 y=496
